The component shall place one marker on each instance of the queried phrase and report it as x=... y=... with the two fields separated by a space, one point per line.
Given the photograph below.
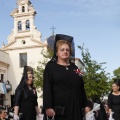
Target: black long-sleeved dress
x=64 y=87
x=114 y=104
x=27 y=101
x=101 y=114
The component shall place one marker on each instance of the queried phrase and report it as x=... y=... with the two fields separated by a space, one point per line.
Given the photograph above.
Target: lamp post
x=8 y=86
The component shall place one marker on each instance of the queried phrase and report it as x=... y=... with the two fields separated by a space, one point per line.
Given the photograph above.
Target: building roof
x=78 y=59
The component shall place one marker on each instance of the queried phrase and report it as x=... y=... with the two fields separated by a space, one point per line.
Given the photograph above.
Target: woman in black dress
x=114 y=100
x=100 y=114
x=63 y=88
x=25 y=104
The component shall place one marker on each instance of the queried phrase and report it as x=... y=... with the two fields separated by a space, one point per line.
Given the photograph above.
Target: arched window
x=23 y=8
x=23 y=42
x=19 y=26
x=27 y=25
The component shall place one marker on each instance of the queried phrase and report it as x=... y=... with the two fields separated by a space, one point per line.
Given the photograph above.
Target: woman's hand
x=110 y=111
x=87 y=109
x=40 y=116
x=50 y=112
x=16 y=109
x=16 y=117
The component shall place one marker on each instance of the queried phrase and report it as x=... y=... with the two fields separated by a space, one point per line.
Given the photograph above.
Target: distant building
x=4 y=64
x=51 y=41
x=79 y=64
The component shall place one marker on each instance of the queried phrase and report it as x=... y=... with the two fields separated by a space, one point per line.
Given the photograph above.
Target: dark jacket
x=21 y=94
x=63 y=90
x=101 y=114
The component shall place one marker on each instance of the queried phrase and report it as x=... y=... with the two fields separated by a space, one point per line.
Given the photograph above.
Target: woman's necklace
x=30 y=88
x=67 y=68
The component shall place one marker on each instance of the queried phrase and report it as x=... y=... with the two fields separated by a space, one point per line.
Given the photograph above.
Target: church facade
x=24 y=47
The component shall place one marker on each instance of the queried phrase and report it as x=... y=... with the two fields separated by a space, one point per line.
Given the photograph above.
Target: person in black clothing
x=101 y=115
x=114 y=100
x=63 y=87
x=25 y=103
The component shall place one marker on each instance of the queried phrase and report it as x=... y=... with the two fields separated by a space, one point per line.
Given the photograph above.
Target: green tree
x=95 y=78
x=38 y=72
x=116 y=73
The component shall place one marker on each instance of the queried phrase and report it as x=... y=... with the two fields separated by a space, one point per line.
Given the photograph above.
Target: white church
x=23 y=48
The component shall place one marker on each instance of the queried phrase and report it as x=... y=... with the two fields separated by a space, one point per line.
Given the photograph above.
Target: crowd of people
x=110 y=109
x=7 y=113
x=63 y=89
x=64 y=96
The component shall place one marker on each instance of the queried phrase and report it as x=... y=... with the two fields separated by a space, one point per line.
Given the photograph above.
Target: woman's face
x=30 y=79
x=3 y=114
x=115 y=87
x=63 y=52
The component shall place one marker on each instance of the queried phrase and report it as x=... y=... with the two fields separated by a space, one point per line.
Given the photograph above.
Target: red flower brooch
x=34 y=91
x=79 y=72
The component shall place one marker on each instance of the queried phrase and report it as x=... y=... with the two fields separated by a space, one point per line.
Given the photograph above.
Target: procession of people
x=64 y=96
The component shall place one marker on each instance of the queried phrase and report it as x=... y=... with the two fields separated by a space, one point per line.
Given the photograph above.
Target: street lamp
x=8 y=86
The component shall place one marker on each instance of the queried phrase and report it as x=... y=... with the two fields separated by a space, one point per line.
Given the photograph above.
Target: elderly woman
x=63 y=87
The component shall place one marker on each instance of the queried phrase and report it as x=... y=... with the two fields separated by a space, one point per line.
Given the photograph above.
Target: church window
x=23 y=59
x=27 y=25
x=1 y=77
x=19 y=26
x=23 y=8
x=23 y=42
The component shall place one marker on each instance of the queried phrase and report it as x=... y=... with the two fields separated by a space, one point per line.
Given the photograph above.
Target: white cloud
x=88 y=4
x=83 y=7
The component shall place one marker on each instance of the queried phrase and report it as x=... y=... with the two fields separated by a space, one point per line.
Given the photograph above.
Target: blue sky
x=96 y=23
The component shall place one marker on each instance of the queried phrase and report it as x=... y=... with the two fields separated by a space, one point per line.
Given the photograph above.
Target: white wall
x=79 y=65
x=4 y=57
x=15 y=71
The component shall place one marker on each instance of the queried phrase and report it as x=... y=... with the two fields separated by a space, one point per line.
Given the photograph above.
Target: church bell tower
x=24 y=45
x=24 y=22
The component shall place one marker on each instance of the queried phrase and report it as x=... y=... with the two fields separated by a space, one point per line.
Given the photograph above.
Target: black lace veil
x=26 y=70
x=66 y=38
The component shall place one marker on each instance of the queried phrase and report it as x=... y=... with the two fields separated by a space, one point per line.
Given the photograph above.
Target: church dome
x=51 y=41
